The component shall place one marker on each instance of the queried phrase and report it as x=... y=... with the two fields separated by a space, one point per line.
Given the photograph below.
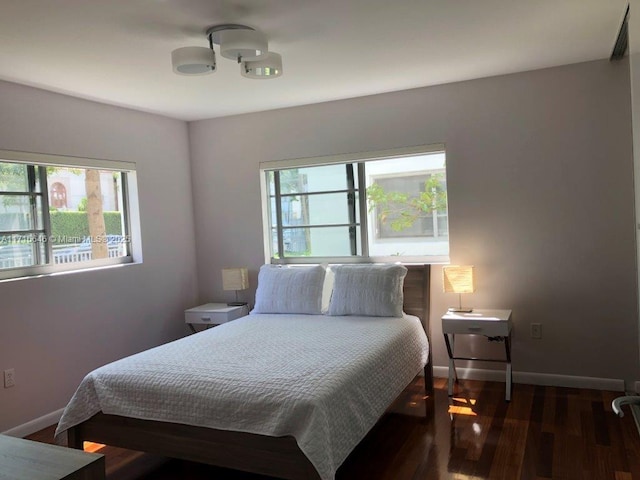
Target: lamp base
x=460 y=309
x=236 y=304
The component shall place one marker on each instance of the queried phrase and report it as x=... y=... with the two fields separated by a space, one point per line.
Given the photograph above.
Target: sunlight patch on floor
x=462 y=406
x=92 y=447
x=457 y=410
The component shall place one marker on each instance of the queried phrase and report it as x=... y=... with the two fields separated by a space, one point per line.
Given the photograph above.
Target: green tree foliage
x=401 y=210
x=13 y=177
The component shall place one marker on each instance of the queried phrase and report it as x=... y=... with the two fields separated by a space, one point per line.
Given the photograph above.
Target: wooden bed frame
x=275 y=456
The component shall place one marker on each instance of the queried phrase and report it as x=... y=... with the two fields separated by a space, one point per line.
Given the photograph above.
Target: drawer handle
x=474 y=329
x=205 y=319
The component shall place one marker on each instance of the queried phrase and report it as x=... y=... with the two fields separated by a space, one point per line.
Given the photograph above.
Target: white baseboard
x=35 y=425
x=547 y=379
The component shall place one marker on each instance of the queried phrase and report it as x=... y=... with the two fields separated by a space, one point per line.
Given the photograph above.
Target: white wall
x=539 y=169
x=55 y=329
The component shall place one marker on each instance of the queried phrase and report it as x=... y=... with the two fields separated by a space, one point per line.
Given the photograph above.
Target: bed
x=315 y=387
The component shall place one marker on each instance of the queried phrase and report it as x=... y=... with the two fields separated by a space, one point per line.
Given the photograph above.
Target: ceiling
x=119 y=51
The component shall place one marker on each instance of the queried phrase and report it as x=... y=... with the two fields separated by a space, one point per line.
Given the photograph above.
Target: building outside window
x=390 y=222
x=58 y=195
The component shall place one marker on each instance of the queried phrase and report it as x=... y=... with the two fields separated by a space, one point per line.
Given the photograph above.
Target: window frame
x=32 y=160
x=357 y=159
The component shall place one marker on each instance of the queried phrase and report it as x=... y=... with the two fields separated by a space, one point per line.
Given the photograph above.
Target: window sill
x=27 y=273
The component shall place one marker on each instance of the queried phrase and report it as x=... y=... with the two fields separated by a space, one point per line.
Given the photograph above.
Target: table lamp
x=235 y=279
x=458 y=279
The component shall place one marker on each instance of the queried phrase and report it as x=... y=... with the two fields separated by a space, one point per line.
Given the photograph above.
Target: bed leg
x=74 y=439
x=428 y=377
x=429 y=401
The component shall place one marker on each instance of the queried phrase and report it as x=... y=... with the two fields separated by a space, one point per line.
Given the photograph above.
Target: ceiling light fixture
x=244 y=44
x=193 y=61
x=269 y=67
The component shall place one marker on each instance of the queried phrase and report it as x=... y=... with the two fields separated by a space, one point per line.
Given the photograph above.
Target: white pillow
x=368 y=290
x=289 y=290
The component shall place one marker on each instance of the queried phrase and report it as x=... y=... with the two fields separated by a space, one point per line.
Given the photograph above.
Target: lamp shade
x=235 y=279
x=193 y=61
x=269 y=67
x=241 y=44
x=458 y=279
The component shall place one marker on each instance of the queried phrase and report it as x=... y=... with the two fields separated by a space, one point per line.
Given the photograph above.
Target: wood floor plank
x=485 y=462
x=549 y=416
x=601 y=429
x=562 y=409
x=623 y=476
x=537 y=407
x=574 y=407
x=531 y=452
x=544 y=433
x=567 y=456
x=507 y=462
x=544 y=464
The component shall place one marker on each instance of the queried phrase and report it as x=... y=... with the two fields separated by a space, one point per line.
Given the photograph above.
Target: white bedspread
x=324 y=380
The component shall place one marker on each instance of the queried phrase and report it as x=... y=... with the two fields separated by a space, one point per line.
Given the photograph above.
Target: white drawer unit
x=492 y=323
x=213 y=314
x=495 y=324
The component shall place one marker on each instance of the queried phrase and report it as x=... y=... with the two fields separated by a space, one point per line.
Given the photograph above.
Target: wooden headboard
x=416 y=302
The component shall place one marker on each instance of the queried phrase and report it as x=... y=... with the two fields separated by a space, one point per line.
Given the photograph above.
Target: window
x=377 y=206
x=62 y=213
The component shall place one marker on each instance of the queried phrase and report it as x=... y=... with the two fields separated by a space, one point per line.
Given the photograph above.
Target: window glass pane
x=321 y=209
x=39 y=220
x=443 y=225
x=16 y=213
x=320 y=241
x=13 y=177
x=271 y=187
x=399 y=211
x=274 y=243
x=404 y=205
x=297 y=242
x=313 y=179
x=407 y=205
x=272 y=210
x=37 y=170
x=86 y=214
x=20 y=250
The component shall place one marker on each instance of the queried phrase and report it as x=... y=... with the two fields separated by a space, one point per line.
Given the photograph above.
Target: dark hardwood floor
x=543 y=433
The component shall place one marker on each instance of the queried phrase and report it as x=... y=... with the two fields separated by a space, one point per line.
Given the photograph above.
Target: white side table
x=494 y=324
x=213 y=314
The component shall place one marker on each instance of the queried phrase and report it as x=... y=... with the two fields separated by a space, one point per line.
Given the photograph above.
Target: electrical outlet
x=9 y=378
x=536 y=330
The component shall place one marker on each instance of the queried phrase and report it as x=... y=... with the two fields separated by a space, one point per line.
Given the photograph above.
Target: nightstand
x=494 y=324
x=213 y=314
